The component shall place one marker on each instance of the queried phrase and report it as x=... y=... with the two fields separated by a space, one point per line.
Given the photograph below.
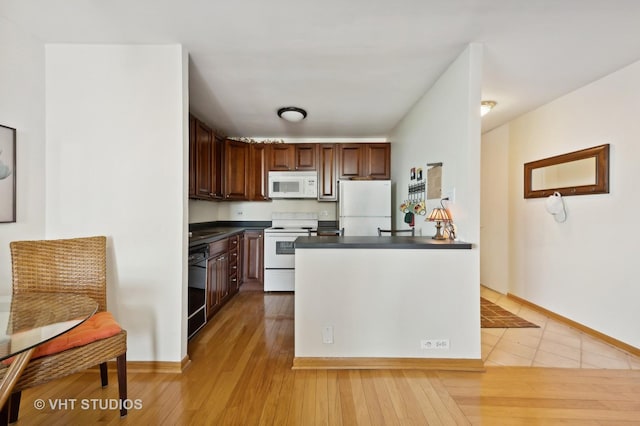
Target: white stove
x=279 y=253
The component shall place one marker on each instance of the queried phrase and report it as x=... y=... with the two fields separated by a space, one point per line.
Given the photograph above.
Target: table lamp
x=438 y=215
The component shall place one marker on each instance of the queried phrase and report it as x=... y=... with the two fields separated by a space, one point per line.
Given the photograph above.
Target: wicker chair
x=75 y=266
x=411 y=232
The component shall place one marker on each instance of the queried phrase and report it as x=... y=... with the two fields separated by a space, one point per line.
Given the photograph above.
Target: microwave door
x=285 y=188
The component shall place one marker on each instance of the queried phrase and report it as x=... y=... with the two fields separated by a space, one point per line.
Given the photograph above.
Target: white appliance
x=293 y=184
x=279 y=253
x=364 y=206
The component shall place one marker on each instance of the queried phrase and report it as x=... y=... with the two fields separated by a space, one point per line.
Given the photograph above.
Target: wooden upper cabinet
x=236 y=170
x=281 y=157
x=203 y=160
x=292 y=157
x=305 y=156
x=192 y=156
x=258 y=173
x=217 y=168
x=372 y=160
x=351 y=160
x=327 y=166
x=378 y=160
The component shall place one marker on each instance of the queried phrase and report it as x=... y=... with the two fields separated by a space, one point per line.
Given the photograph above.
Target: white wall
x=494 y=210
x=116 y=138
x=383 y=302
x=22 y=107
x=584 y=268
x=444 y=126
x=426 y=291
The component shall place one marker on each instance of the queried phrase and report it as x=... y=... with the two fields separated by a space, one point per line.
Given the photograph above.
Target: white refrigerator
x=364 y=206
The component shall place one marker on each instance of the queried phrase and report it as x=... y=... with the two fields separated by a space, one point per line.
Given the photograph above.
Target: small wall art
x=7 y=174
x=434 y=181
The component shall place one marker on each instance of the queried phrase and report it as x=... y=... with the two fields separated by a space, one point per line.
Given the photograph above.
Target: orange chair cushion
x=99 y=326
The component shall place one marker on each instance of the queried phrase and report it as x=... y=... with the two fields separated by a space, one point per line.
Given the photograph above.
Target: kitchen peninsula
x=386 y=302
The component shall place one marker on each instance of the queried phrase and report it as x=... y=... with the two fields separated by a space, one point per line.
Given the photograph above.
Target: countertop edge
x=392 y=243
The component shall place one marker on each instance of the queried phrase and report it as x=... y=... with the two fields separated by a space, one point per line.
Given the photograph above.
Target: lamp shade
x=292 y=114
x=438 y=215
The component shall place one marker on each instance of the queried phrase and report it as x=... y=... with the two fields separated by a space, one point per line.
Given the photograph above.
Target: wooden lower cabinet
x=253 y=260
x=217 y=276
x=240 y=262
x=218 y=283
x=226 y=268
x=235 y=264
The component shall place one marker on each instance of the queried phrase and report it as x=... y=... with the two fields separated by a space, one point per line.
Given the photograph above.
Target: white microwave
x=293 y=185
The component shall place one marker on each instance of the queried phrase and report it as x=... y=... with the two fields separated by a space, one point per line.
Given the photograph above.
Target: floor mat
x=494 y=316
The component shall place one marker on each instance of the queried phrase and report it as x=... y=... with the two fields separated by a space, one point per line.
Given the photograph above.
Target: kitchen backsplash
x=208 y=211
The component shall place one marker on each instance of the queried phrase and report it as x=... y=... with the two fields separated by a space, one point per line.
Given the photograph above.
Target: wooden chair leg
x=121 y=363
x=104 y=377
x=4 y=413
x=14 y=406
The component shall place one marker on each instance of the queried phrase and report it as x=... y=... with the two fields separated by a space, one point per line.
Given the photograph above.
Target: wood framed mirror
x=576 y=173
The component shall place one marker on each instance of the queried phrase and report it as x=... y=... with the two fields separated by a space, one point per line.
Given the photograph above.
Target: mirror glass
x=576 y=173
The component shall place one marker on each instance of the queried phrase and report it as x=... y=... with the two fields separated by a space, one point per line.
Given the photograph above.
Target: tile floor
x=554 y=344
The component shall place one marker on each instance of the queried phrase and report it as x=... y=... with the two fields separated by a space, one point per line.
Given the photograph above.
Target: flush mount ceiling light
x=292 y=114
x=486 y=106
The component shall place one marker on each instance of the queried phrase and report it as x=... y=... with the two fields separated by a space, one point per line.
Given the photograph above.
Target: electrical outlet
x=327 y=334
x=239 y=213
x=450 y=194
x=434 y=344
x=324 y=213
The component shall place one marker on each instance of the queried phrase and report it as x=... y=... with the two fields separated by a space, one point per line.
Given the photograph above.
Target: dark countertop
x=205 y=235
x=209 y=232
x=420 y=243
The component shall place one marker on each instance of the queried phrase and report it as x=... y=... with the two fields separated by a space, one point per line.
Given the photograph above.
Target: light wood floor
x=240 y=375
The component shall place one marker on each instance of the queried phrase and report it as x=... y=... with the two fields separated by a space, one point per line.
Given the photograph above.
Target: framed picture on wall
x=7 y=174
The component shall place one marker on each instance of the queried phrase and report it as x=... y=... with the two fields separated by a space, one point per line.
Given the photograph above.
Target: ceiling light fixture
x=486 y=106
x=292 y=114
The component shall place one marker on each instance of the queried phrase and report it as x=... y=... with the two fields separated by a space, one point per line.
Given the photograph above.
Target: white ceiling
x=356 y=66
